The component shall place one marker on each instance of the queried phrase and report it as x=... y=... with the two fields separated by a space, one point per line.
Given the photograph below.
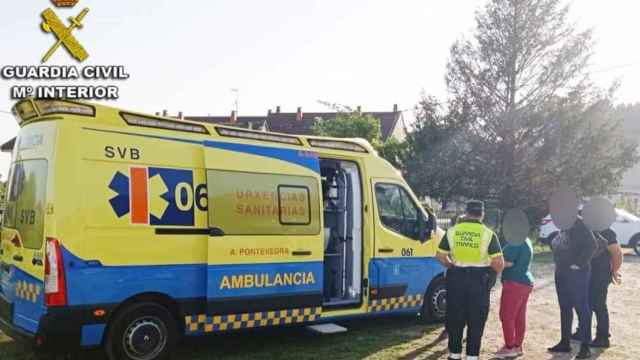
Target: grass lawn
x=380 y=338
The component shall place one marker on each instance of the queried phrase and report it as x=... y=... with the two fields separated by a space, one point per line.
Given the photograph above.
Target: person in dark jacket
x=605 y=268
x=573 y=250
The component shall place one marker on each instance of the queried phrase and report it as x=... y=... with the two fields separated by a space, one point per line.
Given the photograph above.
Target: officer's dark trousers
x=467 y=306
x=572 y=287
x=598 y=291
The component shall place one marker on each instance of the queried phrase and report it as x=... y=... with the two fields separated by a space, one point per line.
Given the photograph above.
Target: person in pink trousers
x=517 y=286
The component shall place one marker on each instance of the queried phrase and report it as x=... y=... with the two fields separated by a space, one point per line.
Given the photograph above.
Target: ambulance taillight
x=55 y=287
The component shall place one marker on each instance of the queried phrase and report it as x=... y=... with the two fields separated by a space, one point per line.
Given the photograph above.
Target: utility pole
x=236 y=91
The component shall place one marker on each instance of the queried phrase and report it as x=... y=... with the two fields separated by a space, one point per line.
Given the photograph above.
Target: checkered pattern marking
x=395 y=303
x=204 y=323
x=28 y=291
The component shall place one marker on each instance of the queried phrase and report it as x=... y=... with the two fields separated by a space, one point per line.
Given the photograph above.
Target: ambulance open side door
x=265 y=249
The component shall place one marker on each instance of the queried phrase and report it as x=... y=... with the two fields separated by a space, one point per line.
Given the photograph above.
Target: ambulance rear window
x=26 y=201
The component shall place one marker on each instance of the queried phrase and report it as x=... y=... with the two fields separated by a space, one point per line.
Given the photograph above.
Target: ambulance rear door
x=265 y=249
x=23 y=235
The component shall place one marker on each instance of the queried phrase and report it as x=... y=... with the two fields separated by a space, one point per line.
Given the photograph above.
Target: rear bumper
x=59 y=330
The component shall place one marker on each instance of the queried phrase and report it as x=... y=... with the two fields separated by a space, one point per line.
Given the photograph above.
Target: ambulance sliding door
x=265 y=248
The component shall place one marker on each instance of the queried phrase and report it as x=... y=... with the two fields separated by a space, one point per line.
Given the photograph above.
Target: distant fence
x=445 y=220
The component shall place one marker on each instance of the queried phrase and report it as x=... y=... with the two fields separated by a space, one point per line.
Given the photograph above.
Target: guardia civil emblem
x=64 y=34
x=64 y=3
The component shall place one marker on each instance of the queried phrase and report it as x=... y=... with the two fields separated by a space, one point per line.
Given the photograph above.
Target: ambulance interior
x=342 y=204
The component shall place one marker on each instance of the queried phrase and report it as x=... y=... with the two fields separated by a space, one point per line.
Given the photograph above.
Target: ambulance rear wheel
x=143 y=331
x=434 y=306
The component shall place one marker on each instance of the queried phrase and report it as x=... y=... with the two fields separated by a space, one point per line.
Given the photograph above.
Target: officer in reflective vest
x=472 y=255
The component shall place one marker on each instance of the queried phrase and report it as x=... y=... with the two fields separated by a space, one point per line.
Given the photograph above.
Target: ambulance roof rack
x=338 y=145
x=161 y=123
x=257 y=135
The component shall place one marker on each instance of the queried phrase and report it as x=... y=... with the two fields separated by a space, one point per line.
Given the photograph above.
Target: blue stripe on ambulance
x=411 y=274
x=298 y=157
x=89 y=282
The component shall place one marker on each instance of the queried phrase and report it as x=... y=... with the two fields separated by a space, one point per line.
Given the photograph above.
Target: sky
x=189 y=55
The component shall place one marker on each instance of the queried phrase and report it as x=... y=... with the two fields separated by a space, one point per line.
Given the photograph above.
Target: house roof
x=288 y=122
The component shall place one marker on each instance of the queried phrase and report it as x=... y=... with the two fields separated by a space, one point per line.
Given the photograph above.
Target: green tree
x=434 y=159
x=350 y=123
x=522 y=114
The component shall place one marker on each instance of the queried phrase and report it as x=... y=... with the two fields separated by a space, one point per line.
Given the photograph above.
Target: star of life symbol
x=64 y=35
x=153 y=196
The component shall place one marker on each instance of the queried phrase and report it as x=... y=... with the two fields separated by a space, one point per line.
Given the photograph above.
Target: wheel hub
x=439 y=301
x=144 y=339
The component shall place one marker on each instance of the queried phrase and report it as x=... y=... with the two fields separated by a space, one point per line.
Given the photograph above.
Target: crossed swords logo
x=64 y=35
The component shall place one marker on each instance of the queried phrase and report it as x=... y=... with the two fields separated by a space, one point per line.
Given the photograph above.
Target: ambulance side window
x=397 y=210
x=243 y=203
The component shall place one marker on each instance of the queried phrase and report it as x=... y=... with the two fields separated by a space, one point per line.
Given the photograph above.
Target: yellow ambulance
x=130 y=231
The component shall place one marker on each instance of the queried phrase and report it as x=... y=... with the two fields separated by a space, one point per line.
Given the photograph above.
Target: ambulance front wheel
x=434 y=306
x=143 y=331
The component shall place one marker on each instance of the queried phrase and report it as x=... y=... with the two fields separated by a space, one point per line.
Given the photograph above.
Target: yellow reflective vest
x=469 y=244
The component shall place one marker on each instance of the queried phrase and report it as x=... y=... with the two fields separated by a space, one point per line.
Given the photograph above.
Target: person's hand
x=617 y=278
x=574 y=267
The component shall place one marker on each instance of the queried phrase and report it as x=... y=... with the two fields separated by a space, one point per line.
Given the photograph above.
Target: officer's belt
x=470 y=269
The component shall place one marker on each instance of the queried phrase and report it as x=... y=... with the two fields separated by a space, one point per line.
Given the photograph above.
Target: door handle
x=36 y=262
x=18 y=258
x=216 y=232
x=385 y=250
x=301 y=253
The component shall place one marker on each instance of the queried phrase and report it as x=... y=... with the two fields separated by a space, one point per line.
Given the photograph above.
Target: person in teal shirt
x=517 y=285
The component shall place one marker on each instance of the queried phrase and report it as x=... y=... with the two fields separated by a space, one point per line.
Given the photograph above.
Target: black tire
x=434 y=306
x=142 y=331
x=635 y=243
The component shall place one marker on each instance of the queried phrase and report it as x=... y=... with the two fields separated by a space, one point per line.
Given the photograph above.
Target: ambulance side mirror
x=427 y=227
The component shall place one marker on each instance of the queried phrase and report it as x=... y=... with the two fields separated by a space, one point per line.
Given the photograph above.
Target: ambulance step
x=327 y=328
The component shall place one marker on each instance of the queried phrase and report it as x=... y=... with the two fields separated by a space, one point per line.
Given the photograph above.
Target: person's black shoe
x=576 y=336
x=561 y=347
x=584 y=352
x=600 y=343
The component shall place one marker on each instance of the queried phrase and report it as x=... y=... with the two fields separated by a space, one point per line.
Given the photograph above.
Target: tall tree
x=524 y=113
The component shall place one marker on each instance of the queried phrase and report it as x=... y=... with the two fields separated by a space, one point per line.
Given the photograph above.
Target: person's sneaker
x=584 y=352
x=519 y=350
x=576 y=336
x=600 y=343
x=506 y=353
x=561 y=347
